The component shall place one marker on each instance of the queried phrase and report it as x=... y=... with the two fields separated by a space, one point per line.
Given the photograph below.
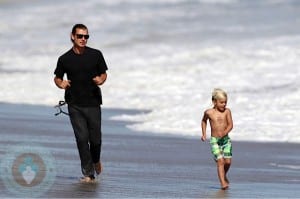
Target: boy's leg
x=227 y=151
x=221 y=173
x=218 y=156
x=227 y=163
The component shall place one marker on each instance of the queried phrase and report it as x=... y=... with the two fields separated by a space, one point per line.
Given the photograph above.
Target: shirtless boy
x=221 y=124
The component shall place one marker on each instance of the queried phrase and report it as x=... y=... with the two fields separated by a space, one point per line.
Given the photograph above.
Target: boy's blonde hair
x=218 y=94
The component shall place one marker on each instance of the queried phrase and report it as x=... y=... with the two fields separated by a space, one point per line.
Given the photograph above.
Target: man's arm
x=60 y=83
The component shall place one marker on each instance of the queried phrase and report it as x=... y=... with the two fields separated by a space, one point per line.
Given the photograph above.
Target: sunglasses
x=80 y=36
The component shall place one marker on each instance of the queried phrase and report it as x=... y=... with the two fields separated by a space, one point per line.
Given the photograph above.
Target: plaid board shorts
x=221 y=147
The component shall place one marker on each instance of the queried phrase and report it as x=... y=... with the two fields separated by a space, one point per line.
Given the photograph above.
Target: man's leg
x=95 y=136
x=79 y=124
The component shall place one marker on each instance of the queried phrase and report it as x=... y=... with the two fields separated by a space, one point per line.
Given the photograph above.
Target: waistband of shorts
x=217 y=138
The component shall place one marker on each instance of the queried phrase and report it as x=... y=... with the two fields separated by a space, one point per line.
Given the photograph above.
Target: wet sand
x=147 y=165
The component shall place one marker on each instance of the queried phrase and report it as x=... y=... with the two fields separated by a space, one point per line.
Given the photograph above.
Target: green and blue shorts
x=221 y=147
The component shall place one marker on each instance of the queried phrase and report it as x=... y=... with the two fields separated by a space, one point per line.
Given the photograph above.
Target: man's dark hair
x=79 y=26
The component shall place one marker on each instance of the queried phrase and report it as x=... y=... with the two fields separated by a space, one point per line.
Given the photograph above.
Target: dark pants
x=86 y=123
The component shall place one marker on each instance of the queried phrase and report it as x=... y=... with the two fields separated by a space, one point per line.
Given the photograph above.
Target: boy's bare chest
x=218 y=118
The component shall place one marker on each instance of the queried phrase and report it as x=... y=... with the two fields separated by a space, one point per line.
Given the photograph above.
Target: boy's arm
x=203 y=126
x=229 y=122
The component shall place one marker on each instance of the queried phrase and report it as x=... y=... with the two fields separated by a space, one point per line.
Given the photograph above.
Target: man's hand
x=65 y=84
x=99 y=80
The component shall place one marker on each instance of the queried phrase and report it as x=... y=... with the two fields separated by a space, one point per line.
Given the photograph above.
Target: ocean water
x=166 y=56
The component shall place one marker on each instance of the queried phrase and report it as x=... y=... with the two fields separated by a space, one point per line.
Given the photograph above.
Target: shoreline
x=149 y=165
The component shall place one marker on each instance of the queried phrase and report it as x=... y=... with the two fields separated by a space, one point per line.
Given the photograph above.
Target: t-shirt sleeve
x=102 y=67
x=59 y=71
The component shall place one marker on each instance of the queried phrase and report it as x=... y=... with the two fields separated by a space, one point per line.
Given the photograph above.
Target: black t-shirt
x=80 y=70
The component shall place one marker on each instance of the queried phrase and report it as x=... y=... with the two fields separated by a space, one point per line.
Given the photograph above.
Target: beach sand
x=147 y=165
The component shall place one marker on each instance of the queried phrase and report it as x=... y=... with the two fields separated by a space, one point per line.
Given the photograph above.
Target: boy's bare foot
x=225 y=188
x=224 y=185
x=98 y=167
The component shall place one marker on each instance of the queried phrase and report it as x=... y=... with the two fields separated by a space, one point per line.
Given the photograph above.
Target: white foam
x=286 y=166
x=169 y=68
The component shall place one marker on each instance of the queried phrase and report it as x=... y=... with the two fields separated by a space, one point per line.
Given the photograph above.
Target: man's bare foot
x=98 y=167
x=87 y=179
